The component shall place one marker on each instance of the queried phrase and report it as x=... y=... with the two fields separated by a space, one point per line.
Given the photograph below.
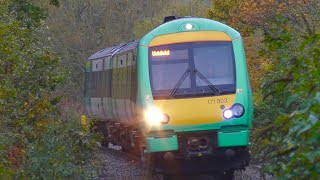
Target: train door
x=96 y=100
x=129 y=102
x=121 y=108
x=107 y=103
x=115 y=87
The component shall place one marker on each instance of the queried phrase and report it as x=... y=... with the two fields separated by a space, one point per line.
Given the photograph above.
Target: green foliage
x=292 y=147
x=62 y=152
x=34 y=142
x=286 y=126
x=27 y=13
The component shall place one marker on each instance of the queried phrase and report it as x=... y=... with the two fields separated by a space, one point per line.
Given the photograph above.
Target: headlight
x=155 y=117
x=227 y=114
x=237 y=110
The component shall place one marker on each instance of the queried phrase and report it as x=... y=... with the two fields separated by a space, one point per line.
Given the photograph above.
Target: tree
x=79 y=28
x=243 y=16
x=178 y=8
x=29 y=114
x=287 y=118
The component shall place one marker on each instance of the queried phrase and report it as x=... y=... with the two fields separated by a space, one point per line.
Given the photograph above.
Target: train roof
x=111 y=51
x=168 y=23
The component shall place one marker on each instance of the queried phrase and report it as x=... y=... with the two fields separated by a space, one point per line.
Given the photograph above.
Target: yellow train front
x=180 y=95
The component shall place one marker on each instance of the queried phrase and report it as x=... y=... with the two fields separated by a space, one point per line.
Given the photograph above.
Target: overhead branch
x=307 y=24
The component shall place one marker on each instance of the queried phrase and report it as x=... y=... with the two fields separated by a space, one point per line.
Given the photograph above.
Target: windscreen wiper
x=211 y=86
x=177 y=86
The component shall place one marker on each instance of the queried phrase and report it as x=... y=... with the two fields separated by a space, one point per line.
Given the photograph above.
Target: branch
x=76 y=51
x=287 y=151
x=312 y=89
x=264 y=132
x=269 y=94
x=307 y=24
x=286 y=79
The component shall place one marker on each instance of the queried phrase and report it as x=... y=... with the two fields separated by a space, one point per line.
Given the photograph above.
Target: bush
x=62 y=152
x=282 y=41
x=34 y=143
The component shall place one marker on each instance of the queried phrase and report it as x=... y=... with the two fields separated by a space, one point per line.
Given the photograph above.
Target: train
x=179 y=97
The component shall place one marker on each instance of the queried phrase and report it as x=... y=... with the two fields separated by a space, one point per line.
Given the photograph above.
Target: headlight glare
x=155 y=117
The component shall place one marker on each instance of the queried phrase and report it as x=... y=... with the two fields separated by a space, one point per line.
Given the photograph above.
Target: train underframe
x=198 y=151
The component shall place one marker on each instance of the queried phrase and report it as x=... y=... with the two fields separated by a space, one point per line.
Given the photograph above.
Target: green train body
x=180 y=92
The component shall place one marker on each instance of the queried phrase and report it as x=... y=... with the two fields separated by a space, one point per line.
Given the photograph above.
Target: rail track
x=116 y=165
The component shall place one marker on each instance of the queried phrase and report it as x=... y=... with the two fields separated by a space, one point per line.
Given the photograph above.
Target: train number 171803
x=217 y=101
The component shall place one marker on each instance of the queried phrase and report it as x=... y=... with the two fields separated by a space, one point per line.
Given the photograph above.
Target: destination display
x=161 y=53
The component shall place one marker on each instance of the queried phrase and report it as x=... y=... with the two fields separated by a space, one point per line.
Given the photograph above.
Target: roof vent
x=171 y=18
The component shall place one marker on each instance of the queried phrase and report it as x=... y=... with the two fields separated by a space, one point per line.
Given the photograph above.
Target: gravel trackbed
x=116 y=165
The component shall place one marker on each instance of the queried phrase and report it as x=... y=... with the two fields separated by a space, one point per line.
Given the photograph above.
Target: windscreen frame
x=192 y=75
